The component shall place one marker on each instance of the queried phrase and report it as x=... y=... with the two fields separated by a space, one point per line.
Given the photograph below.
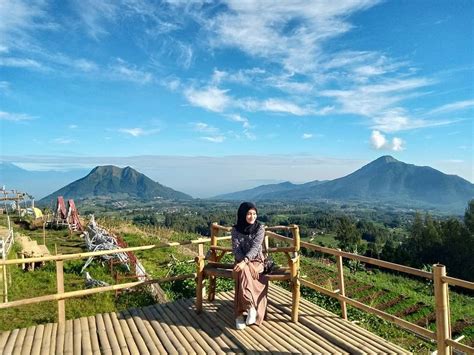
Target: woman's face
x=251 y=216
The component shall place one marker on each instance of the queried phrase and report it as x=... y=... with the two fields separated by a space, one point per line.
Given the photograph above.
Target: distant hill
x=36 y=183
x=384 y=179
x=257 y=192
x=114 y=183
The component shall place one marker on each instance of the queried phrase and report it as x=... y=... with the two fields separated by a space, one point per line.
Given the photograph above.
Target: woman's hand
x=253 y=272
x=240 y=266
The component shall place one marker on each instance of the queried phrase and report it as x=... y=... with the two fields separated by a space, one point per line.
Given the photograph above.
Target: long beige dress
x=250 y=292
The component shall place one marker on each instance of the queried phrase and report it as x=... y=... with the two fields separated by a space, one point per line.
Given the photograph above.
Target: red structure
x=67 y=217
x=73 y=216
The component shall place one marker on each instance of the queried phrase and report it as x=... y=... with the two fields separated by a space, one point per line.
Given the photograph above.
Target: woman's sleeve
x=256 y=244
x=236 y=249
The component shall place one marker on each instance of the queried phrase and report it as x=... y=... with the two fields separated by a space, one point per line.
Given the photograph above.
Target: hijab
x=242 y=226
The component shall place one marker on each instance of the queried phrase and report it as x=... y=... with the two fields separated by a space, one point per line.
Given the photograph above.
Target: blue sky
x=217 y=96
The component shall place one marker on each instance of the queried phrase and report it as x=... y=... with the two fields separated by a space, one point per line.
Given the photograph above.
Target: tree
x=347 y=235
x=469 y=217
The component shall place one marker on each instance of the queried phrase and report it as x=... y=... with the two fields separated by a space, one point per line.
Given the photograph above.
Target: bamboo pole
x=4 y=271
x=295 y=231
x=86 y=344
x=106 y=252
x=381 y=263
x=340 y=279
x=279 y=237
x=44 y=233
x=37 y=339
x=212 y=279
x=80 y=293
x=463 y=347
x=274 y=228
x=458 y=282
x=199 y=277
x=46 y=340
x=52 y=345
x=443 y=331
x=60 y=288
x=119 y=333
x=295 y=272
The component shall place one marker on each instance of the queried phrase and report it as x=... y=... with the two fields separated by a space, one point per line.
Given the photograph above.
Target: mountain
x=35 y=183
x=112 y=182
x=383 y=180
x=257 y=192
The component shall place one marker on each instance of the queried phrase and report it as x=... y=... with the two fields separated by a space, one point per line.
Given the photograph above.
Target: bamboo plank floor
x=175 y=328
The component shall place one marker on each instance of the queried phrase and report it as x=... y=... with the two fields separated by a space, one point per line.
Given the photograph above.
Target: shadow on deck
x=175 y=328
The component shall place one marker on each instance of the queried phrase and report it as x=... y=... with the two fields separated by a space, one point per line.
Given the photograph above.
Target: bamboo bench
x=214 y=268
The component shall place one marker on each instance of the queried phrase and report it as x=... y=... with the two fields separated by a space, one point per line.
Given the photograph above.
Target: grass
x=327 y=240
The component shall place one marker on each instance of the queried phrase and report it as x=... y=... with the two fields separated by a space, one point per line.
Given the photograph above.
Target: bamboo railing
x=60 y=296
x=443 y=327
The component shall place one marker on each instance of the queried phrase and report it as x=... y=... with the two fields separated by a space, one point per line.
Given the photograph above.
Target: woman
x=250 y=284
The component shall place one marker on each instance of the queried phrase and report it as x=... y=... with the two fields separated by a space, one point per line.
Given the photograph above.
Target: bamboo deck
x=175 y=328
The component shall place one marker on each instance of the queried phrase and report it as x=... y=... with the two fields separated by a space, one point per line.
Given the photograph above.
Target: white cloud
x=18 y=19
x=72 y=126
x=455 y=106
x=380 y=103
x=307 y=136
x=396 y=120
x=185 y=56
x=204 y=127
x=20 y=63
x=238 y=118
x=210 y=98
x=96 y=14
x=380 y=142
x=214 y=139
x=274 y=105
x=138 y=132
x=62 y=140
x=14 y=117
x=213 y=133
x=4 y=86
x=125 y=71
x=85 y=65
x=288 y=32
x=397 y=144
x=283 y=106
x=245 y=125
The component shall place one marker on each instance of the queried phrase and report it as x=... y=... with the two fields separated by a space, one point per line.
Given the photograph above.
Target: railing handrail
x=104 y=252
x=441 y=281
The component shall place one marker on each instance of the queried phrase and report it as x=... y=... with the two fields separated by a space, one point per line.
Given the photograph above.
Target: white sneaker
x=252 y=316
x=240 y=323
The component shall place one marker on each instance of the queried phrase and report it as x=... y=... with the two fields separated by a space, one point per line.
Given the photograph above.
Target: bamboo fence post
x=44 y=233
x=199 y=277
x=4 y=271
x=295 y=273
x=342 y=292
x=443 y=329
x=213 y=257
x=60 y=288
